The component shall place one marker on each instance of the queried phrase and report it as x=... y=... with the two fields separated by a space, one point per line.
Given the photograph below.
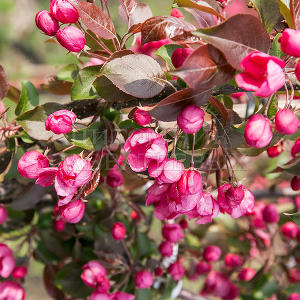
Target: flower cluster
x=63 y=11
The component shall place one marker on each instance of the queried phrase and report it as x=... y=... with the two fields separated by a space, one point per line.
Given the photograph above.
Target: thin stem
x=193 y=150
x=292 y=92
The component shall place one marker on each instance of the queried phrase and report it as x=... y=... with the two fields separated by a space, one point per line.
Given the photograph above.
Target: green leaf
x=91 y=138
x=293 y=288
x=129 y=124
x=284 y=6
x=29 y=98
x=294 y=217
x=165 y=52
x=33 y=121
x=68 y=73
x=68 y=279
x=228 y=102
x=272 y=109
x=144 y=245
x=143 y=294
x=83 y=85
x=276 y=48
x=269 y=12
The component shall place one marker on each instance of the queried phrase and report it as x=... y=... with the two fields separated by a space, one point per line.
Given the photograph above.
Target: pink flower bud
x=7 y=261
x=270 y=214
x=286 y=121
x=294 y=296
x=296 y=148
x=258 y=132
x=295 y=183
x=143 y=279
x=100 y=296
x=59 y=225
x=176 y=270
x=294 y=275
x=74 y=171
x=234 y=195
x=172 y=233
x=3 y=214
x=289 y=42
x=73 y=211
x=19 y=272
x=275 y=151
x=31 y=164
x=289 y=230
x=166 y=249
x=202 y=267
x=233 y=260
x=122 y=296
x=60 y=121
x=11 y=290
x=211 y=253
x=142 y=117
x=63 y=11
x=246 y=274
x=191 y=119
x=71 y=38
x=172 y=170
x=183 y=223
x=180 y=55
x=118 y=231
x=93 y=273
x=114 y=178
x=190 y=183
x=46 y=22
x=135 y=216
x=263 y=74
x=297 y=70
x=177 y=13
x=158 y=271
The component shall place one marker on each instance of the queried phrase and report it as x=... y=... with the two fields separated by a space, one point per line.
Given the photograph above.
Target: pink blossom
x=236 y=208
x=64 y=11
x=143 y=279
x=166 y=249
x=286 y=121
x=93 y=62
x=3 y=214
x=100 y=296
x=233 y=260
x=93 y=273
x=73 y=211
x=31 y=164
x=294 y=296
x=19 y=272
x=180 y=55
x=156 y=193
x=289 y=41
x=46 y=22
x=246 y=274
x=59 y=225
x=171 y=171
x=114 y=178
x=142 y=117
x=295 y=183
x=145 y=146
x=122 y=296
x=211 y=253
x=118 y=231
x=289 y=230
x=172 y=232
x=296 y=148
x=7 y=261
x=176 y=270
x=60 y=121
x=270 y=214
x=190 y=183
x=294 y=275
x=275 y=151
x=47 y=177
x=149 y=48
x=297 y=70
x=190 y=119
x=165 y=210
x=10 y=290
x=258 y=221
x=258 y=131
x=202 y=267
x=71 y=38
x=177 y=13
x=263 y=74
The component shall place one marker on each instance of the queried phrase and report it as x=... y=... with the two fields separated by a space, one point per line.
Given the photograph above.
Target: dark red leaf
x=92 y=184
x=203 y=19
x=219 y=107
x=96 y=20
x=3 y=83
x=159 y=28
x=48 y=278
x=295 y=12
x=128 y=7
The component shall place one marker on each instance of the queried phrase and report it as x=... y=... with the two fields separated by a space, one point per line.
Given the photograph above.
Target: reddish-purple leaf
x=140 y=14
x=295 y=12
x=159 y=28
x=92 y=184
x=168 y=109
x=203 y=19
x=237 y=37
x=126 y=8
x=205 y=68
x=96 y=20
x=136 y=74
x=4 y=86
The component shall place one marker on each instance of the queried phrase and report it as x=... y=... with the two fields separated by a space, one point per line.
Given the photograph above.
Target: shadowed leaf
x=295 y=13
x=3 y=83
